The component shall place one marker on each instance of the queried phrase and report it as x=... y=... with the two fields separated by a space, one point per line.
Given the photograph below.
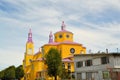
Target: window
x=72 y=50
x=79 y=76
x=88 y=63
x=69 y=66
x=79 y=64
x=60 y=36
x=104 y=60
x=106 y=75
x=67 y=36
x=63 y=65
x=89 y=75
x=38 y=74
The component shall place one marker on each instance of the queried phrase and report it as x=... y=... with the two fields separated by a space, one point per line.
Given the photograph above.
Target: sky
x=95 y=24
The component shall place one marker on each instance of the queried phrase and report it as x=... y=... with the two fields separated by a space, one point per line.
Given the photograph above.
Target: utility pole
x=117 y=50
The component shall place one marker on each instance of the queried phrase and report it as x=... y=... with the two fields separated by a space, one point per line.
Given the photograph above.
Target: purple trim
x=63 y=31
x=66 y=60
x=63 y=26
x=65 y=42
x=30 y=36
x=50 y=38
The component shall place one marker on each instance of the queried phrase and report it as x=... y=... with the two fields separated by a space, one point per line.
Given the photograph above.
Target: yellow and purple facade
x=62 y=40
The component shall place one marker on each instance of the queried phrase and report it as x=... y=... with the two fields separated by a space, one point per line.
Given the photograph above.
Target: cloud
x=97 y=37
x=10 y=57
x=95 y=24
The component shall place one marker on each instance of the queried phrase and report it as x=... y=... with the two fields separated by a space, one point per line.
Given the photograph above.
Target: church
x=33 y=63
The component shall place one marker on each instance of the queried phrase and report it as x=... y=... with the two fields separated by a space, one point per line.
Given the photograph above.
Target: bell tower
x=30 y=44
x=29 y=50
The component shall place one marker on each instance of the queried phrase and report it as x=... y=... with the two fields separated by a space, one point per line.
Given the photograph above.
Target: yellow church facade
x=33 y=63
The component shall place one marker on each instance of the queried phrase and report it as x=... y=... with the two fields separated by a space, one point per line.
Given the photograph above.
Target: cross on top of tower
x=63 y=26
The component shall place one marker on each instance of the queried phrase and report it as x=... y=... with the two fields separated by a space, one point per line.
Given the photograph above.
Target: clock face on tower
x=30 y=51
x=72 y=50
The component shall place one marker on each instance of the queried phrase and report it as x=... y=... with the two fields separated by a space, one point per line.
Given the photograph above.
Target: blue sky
x=95 y=24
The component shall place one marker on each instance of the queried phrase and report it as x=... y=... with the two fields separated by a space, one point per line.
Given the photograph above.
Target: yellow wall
x=29 y=45
x=65 y=49
x=36 y=65
x=63 y=38
x=38 y=55
x=46 y=48
x=28 y=56
x=72 y=66
x=27 y=59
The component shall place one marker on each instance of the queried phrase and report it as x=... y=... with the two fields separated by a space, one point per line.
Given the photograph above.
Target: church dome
x=63 y=34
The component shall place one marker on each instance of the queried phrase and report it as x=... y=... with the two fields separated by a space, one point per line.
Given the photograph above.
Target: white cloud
x=46 y=16
x=99 y=38
x=11 y=57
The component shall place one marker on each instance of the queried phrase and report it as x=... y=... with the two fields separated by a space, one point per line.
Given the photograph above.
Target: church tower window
x=67 y=36
x=60 y=36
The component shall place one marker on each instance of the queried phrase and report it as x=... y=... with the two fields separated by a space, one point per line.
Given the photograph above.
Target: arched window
x=63 y=65
x=69 y=66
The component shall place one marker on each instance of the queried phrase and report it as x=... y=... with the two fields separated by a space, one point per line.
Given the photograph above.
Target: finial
x=50 y=37
x=30 y=30
x=63 y=26
x=30 y=35
x=50 y=34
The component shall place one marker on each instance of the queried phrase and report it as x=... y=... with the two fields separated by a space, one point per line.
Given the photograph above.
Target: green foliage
x=40 y=79
x=2 y=74
x=53 y=61
x=19 y=73
x=9 y=73
x=65 y=74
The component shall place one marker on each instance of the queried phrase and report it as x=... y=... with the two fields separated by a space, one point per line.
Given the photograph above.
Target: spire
x=63 y=26
x=50 y=37
x=30 y=36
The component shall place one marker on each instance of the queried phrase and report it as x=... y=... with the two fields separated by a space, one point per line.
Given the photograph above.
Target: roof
x=65 y=42
x=63 y=31
x=39 y=59
x=39 y=52
x=95 y=54
x=66 y=60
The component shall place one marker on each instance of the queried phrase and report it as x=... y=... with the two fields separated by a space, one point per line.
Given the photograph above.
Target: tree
x=2 y=74
x=53 y=61
x=9 y=73
x=19 y=73
x=65 y=74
